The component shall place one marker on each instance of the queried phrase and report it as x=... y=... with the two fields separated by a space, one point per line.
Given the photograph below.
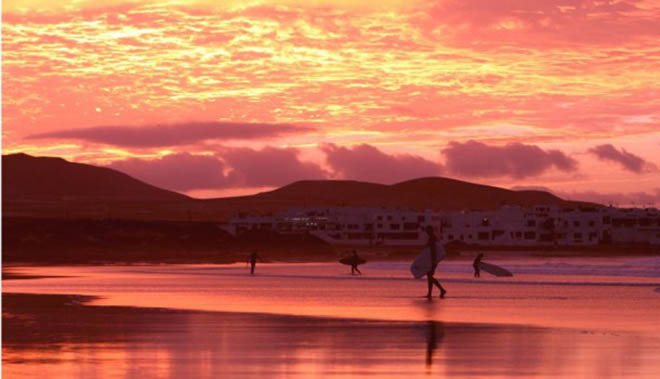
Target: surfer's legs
x=252 y=268
x=429 y=280
x=442 y=290
x=358 y=270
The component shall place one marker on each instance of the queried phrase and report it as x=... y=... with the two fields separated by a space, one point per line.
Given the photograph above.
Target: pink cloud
x=171 y=134
x=487 y=23
x=268 y=167
x=250 y=55
x=629 y=161
x=365 y=162
x=230 y=168
x=176 y=172
x=475 y=159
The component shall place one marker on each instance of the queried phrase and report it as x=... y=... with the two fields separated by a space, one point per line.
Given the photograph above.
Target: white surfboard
x=422 y=264
x=494 y=269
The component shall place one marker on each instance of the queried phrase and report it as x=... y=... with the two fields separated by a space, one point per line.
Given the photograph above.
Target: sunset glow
x=214 y=100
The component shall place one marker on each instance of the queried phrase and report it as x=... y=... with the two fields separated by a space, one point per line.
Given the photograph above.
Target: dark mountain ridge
x=55 y=188
x=25 y=176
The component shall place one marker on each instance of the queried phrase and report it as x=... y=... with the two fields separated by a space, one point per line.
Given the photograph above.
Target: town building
x=507 y=226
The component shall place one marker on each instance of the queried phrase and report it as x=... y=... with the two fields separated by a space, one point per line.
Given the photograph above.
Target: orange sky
x=214 y=100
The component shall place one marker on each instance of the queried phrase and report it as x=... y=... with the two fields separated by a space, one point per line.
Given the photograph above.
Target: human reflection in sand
x=434 y=335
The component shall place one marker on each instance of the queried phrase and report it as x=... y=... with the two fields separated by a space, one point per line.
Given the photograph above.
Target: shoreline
x=464 y=255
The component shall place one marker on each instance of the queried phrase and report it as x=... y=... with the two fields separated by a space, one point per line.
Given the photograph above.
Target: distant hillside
x=450 y=194
x=25 y=176
x=423 y=193
x=55 y=188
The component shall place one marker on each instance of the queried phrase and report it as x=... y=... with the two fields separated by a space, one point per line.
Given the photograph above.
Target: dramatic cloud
x=365 y=162
x=172 y=134
x=268 y=167
x=629 y=161
x=475 y=159
x=402 y=74
x=230 y=168
x=176 y=172
x=553 y=22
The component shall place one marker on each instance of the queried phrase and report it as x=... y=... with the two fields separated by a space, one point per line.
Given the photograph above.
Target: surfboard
x=422 y=264
x=349 y=261
x=495 y=270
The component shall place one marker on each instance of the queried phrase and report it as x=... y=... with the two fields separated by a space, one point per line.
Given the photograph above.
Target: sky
x=227 y=98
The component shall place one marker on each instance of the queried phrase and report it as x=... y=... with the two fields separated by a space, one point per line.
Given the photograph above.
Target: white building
x=507 y=226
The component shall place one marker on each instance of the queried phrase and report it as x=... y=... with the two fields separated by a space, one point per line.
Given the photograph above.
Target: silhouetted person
x=431 y=243
x=252 y=260
x=477 y=265
x=354 y=263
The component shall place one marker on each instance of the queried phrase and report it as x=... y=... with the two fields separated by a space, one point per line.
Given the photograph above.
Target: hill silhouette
x=25 y=176
x=424 y=193
x=53 y=187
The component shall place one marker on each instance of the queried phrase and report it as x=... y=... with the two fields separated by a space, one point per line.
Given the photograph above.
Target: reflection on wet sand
x=54 y=334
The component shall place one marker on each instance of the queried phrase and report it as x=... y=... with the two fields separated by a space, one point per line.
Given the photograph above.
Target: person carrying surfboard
x=431 y=243
x=354 y=263
x=252 y=260
x=477 y=265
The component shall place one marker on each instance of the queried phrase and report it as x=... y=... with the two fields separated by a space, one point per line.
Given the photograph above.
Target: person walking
x=252 y=260
x=477 y=265
x=433 y=247
x=355 y=261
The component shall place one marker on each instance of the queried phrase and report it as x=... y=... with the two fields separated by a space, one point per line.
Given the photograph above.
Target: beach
x=565 y=317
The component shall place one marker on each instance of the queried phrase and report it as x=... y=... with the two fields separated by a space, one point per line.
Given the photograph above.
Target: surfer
x=252 y=260
x=431 y=243
x=355 y=260
x=477 y=265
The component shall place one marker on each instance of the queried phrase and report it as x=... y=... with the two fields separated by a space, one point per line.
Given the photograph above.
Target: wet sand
x=55 y=335
x=316 y=320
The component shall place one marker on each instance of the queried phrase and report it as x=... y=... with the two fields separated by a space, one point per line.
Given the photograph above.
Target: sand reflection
x=42 y=334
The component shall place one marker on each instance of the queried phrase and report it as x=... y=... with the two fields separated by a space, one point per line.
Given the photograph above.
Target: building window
x=530 y=235
x=395 y=226
x=576 y=223
x=410 y=226
x=577 y=236
x=531 y=222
